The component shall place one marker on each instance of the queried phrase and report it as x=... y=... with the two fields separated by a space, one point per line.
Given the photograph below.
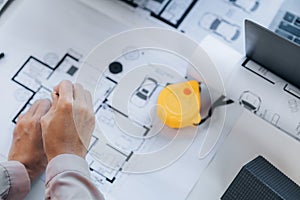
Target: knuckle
x=65 y=105
x=28 y=123
x=21 y=124
x=65 y=82
x=35 y=121
x=23 y=120
x=37 y=102
x=45 y=102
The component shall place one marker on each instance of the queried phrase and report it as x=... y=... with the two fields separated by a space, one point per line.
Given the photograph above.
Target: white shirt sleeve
x=68 y=177
x=14 y=180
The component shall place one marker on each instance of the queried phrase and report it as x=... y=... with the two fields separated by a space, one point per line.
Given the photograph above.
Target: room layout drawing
x=129 y=127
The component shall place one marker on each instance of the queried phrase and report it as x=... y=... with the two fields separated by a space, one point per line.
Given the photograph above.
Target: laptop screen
x=275 y=53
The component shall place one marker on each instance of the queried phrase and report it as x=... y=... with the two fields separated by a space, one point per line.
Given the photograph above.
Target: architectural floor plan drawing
x=35 y=74
x=224 y=19
x=37 y=61
x=37 y=79
x=170 y=12
x=125 y=110
x=126 y=114
x=258 y=91
x=125 y=99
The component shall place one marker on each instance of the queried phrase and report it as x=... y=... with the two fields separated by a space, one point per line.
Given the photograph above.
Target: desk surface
x=250 y=137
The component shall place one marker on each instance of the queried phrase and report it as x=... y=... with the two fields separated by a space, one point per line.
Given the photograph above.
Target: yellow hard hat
x=179 y=104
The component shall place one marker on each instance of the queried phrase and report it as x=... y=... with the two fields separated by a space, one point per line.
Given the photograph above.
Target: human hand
x=70 y=122
x=27 y=145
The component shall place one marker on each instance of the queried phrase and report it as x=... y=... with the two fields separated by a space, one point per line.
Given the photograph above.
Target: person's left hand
x=27 y=146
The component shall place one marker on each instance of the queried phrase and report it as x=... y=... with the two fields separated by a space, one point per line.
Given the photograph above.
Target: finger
x=65 y=91
x=42 y=108
x=54 y=96
x=79 y=94
x=32 y=109
x=56 y=88
x=20 y=117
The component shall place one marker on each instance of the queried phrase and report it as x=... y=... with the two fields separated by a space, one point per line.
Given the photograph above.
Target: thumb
x=54 y=96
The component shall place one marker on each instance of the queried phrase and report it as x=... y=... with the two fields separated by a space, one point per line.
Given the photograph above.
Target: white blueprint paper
x=41 y=51
x=223 y=19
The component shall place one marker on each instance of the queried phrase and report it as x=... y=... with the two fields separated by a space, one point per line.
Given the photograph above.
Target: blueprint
x=42 y=51
x=223 y=19
x=38 y=60
x=256 y=89
x=266 y=95
x=135 y=132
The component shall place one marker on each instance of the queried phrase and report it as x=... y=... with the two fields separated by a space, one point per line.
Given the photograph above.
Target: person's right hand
x=68 y=126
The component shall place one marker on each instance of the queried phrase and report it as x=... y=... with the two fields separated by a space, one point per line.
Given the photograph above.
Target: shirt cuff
x=66 y=162
x=18 y=179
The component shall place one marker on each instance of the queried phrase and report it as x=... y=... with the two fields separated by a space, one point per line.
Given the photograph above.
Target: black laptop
x=273 y=52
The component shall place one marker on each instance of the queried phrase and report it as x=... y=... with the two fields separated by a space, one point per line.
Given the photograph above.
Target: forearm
x=14 y=180
x=68 y=177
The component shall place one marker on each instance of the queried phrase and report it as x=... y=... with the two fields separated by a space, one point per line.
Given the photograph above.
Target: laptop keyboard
x=289 y=27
